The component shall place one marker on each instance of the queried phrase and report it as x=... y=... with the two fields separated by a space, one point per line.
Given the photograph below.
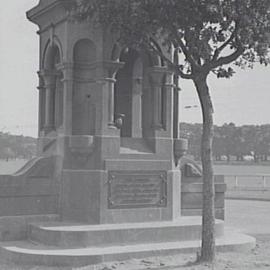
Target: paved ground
x=251 y=217
x=241 y=169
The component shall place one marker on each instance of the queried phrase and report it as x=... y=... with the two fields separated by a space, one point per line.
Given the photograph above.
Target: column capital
x=47 y=76
x=47 y=73
x=138 y=80
x=66 y=69
x=105 y=80
x=113 y=64
x=41 y=88
x=65 y=66
x=109 y=68
x=157 y=74
x=170 y=86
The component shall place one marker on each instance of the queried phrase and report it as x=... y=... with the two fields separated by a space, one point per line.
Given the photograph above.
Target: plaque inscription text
x=132 y=189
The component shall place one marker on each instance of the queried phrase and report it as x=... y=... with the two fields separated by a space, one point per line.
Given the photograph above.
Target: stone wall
x=192 y=190
x=31 y=191
x=192 y=198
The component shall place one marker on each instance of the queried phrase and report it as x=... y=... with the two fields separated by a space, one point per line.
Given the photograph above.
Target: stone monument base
x=72 y=244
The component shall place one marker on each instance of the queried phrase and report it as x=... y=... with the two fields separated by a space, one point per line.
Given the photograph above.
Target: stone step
x=26 y=253
x=81 y=235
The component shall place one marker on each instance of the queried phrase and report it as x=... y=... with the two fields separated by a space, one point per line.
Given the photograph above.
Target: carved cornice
x=45 y=6
x=48 y=73
x=159 y=70
x=65 y=66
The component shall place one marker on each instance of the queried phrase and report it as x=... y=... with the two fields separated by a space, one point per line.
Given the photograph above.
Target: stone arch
x=52 y=57
x=83 y=107
x=84 y=51
x=155 y=59
x=52 y=54
x=116 y=51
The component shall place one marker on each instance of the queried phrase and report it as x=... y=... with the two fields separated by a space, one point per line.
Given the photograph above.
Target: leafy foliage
x=209 y=33
x=231 y=141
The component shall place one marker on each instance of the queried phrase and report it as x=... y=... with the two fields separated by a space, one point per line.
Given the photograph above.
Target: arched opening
x=137 y=92
x=84 y=51
x=52 y=57
x=54 y=89
x=127 y=93
x=158 y=98
x=154 y=58
x=115 y=52
x=163 y=103
x=83 y=109
x=59 y=100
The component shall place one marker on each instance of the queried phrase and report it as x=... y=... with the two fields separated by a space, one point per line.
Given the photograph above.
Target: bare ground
x=256 y=259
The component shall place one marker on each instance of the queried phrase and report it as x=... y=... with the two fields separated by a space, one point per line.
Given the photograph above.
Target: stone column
x=111 y=68
x=137 y=107
x=41 y=108
x=41 y=114
x=111 y=119
x=157 y=77
x=49 y=84
x=67 y=81
x=59 y=100
x=169 y=106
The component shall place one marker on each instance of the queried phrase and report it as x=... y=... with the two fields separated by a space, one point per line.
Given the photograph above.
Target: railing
x=247 y=180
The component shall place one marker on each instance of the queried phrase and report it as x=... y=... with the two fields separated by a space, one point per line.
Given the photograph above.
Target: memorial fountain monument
x=106 y=183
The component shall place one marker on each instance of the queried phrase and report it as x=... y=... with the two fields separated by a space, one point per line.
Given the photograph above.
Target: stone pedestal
x=117 y=196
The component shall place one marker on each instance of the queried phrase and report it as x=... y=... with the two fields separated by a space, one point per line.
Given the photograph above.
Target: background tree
x=209 y=34
x=219 y=144
x=14 y=146
x=234 y=142
x=265 y=142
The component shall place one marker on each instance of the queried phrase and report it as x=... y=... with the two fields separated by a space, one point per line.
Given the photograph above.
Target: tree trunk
x=208 y=215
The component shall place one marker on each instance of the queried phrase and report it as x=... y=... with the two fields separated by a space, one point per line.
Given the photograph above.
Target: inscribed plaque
x=133 y=189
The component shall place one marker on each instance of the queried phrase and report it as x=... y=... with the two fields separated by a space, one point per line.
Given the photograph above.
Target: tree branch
x=230 y=39
x=184 y=49
x=227 y=59
x=223 y=46
x=174 y=67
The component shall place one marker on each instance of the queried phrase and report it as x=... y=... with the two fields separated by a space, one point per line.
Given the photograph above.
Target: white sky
x=243 y=99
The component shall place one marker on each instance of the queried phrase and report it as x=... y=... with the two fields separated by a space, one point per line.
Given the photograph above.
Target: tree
x=219 y=143
x=210 y=35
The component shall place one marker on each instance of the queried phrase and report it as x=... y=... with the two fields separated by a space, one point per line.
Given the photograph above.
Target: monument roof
x=45 y=5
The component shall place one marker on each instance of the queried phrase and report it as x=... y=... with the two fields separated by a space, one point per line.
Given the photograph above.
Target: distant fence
x=255 y=181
